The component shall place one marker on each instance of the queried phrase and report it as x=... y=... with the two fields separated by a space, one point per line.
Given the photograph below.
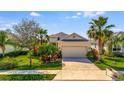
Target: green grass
x=22 y=63
x=27 y=77
x=121 y=77
x=101 y=65
x=114 y=62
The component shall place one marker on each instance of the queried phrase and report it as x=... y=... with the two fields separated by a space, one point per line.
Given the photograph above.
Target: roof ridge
x=59 y=33
x=82 y=38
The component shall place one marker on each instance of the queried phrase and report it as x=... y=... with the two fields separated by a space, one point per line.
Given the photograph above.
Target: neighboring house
x=119 y=47
x=72 y=45
x=57 y=37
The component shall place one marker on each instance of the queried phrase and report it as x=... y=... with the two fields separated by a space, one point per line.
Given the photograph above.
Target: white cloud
x=75 y=16
x=93 y=13
x=4 y=26
x=117 y=29
x=79 y=13
x=34 y=14
x=72 y=17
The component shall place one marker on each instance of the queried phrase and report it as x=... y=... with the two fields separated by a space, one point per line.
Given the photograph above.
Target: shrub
x=48 y=52
x=89 y=54
x=94 y=54
x=16 y=53
x=27 y=77
x=117 y=54
x=35 y=51
x=1 y=55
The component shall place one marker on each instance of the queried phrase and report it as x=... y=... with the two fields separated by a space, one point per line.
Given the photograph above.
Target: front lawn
x=114 y=62
x=121 y=77
x=22 y=63
x=27 y=77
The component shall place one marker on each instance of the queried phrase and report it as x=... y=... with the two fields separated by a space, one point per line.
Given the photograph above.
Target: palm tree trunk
x=30 y=58
x=3 y=50
x=110 y=48
x=100 y=46
x=30 y=61
x=95 y=43
x=41 y=40
x=123 y=49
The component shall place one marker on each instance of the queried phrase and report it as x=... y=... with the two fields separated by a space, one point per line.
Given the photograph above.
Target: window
x=116 y=49
x=58 y=38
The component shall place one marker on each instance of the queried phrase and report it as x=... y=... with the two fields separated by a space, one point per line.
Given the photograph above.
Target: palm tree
x=8 y=38
x=101 y=28
x=3 y=41
x=109 y=41
x=42 y=34
x=121 y=41
x=92 y=34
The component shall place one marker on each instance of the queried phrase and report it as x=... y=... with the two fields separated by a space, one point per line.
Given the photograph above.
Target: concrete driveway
x=76 y=59
x=80 y=69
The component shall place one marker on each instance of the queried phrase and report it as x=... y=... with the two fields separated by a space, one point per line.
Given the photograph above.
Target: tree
x=7 y=37
x=92 y=34
x=26 y=32
x=101 y=29
x=108 y=41
x=120 y=40
x=3 y=41
x=48 y=51
x=42 y=34
x=14 y=41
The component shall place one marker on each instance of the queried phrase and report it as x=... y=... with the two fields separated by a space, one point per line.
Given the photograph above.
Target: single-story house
x=117 y=48
x=72 y=45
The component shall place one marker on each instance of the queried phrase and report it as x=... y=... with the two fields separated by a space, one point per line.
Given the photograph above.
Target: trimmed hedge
x=16 y=53
x=27 y=77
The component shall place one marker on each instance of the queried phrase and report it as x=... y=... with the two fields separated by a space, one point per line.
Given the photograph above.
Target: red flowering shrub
x=35 y=50
x=95 y=54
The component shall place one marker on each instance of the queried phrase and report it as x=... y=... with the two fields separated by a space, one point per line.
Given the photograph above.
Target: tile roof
x=61 y=35
x=74 y=37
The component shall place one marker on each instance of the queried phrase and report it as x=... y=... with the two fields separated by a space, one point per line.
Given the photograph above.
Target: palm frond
x=110 y=26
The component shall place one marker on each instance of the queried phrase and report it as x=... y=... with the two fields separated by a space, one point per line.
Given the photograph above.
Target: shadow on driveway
x=76 y=59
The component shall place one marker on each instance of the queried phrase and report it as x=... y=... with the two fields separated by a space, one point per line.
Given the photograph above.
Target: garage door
x=74 y=51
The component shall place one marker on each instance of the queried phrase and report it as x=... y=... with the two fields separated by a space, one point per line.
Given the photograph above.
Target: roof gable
x=60 y=35
x=74 y=37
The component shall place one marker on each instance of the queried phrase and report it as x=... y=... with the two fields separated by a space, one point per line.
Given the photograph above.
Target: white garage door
x=74 y=51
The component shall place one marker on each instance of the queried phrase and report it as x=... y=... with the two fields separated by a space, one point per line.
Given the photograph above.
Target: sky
x=62 y=21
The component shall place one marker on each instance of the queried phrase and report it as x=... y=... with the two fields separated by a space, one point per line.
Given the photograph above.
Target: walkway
x=29 y=71
x=81 y=69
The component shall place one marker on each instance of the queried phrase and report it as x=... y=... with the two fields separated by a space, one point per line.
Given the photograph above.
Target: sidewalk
x=29 y=71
